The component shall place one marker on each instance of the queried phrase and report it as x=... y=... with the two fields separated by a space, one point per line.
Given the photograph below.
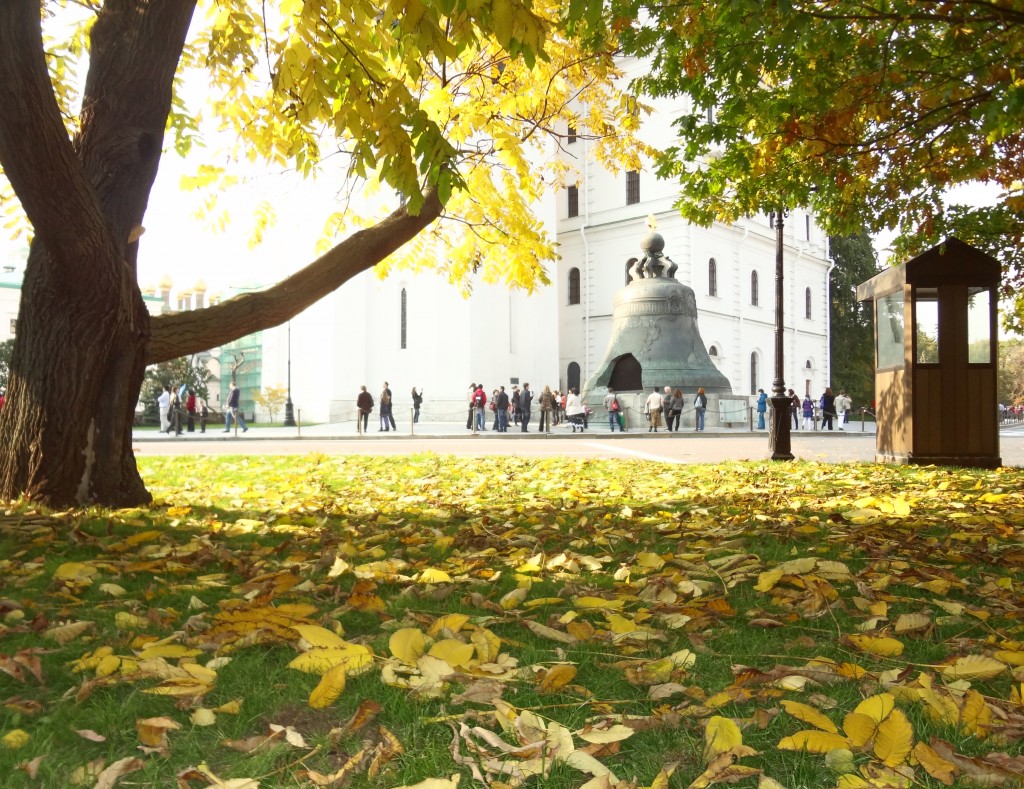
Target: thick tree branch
x=198 y=330
x=33 y=141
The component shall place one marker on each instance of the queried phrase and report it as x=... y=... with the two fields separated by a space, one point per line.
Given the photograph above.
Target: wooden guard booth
x=935 y=358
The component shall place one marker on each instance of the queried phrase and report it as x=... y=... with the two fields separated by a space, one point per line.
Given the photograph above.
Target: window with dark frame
x=712 y=277
x=405 y=304
x=807 y=303
x=574 y=201
x=753 y=288
x=753 y=373
x=574 y=286
x=570 y=136
x=632 y=187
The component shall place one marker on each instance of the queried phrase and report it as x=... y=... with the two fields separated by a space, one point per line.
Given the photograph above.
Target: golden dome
x=166 y=283
x=199 y=287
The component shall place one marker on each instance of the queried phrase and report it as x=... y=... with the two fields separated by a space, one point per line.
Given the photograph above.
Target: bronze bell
x=655 y=341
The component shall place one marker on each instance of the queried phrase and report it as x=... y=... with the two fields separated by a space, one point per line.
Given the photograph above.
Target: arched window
x=807 y=303
x=405 y=304
x=753 y=288
x=753 y=373
x=574 y=286
x=713 y=350
x=572 y=375
x=712 y=277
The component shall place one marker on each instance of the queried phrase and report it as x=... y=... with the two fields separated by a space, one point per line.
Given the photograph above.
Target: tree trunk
x=84 y=336
x=79 y=353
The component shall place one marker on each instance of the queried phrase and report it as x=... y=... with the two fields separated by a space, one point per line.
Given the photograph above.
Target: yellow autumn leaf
x=649 y=561
x=356 y=658
x=938 y=768
x=126 y=621
x=813 y=741
x=453 y=652
x=860 y=728
x=76 y=572
x=974 y=667
x=317 y=636
x=16 y=738
x=537 y=602
x=557 y=677
x=450 y=622
x=883 y=646
x=432 y=575
x=767 y=580
x=720 y=735
x=1010 y=657
x=877 y=707
x=809 y=715
x=331 y=684
x=598 y=602
x=487 y=645
x=908 y=622
x=894 y=739
x=514 y=598
x=172 y=651
x=407 y=644
x=976 y=715
x=203 y=717
x=232 y=707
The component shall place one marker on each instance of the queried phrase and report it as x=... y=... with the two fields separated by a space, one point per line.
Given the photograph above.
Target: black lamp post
x=779 y=436
x=289 y=409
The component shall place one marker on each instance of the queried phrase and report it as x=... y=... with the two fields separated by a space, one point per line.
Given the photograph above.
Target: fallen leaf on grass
x=112 y=774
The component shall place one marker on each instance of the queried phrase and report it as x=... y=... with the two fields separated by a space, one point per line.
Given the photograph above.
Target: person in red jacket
x=480 y=404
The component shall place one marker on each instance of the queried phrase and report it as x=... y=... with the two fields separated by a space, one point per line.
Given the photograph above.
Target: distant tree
x=1011 y=372
x=272 y=400
x=6 y=348
x=852 y=322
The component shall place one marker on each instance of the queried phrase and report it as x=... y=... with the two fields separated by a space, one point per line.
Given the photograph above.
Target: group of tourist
x=666 y=408
x=365 y=405
x=181 y=409
x=833 y=409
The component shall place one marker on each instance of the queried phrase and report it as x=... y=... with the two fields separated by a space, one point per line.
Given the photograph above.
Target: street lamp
x=289 y=409
x=779 y=436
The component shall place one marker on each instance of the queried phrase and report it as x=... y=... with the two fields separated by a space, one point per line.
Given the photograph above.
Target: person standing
x=516 y=410
x=574 y=411
x=700 y=407
x=828 y=407
x=547 y=403
x=391 y=408
x=794 y=408
x=843 y=403
x=666 y=407
x=807 y=406
x=233 y=412
x=364 y=404
x=653 y=409
x=190 y=408
x=174 y=413
x=525 y=405
x=501 y=409
x=677 y=410
x=762 y=408
x=204 y=413
x=614 y=409
x=163 y=403
x=480 y=405
x=471 y=396
x=417 y=401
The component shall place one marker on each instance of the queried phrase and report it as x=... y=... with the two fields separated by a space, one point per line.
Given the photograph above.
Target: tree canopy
x=451 y=108
x=866 y=112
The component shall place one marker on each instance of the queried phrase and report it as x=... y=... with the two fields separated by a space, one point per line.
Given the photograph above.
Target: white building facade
x=731 y=269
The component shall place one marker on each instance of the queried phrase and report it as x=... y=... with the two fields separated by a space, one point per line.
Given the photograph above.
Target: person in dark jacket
x=501 y=408
x=417 y=401
x=525 y=401
x=828 y=407
x=364 y=402
x=233 y=410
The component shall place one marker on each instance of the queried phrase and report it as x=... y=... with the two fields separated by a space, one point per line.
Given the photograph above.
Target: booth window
x=979 y=329
x=926 y=325
x=889 y=320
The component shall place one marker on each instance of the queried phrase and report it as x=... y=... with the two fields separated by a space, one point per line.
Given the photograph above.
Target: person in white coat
x=653 y=409
x=843 y=404
x=163 y=402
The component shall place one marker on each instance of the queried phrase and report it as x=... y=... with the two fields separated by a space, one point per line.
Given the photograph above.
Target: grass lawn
x=382 y=622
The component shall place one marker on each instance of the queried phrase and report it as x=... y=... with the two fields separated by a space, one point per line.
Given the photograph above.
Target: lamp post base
x=780 y=428
x=289 y=413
